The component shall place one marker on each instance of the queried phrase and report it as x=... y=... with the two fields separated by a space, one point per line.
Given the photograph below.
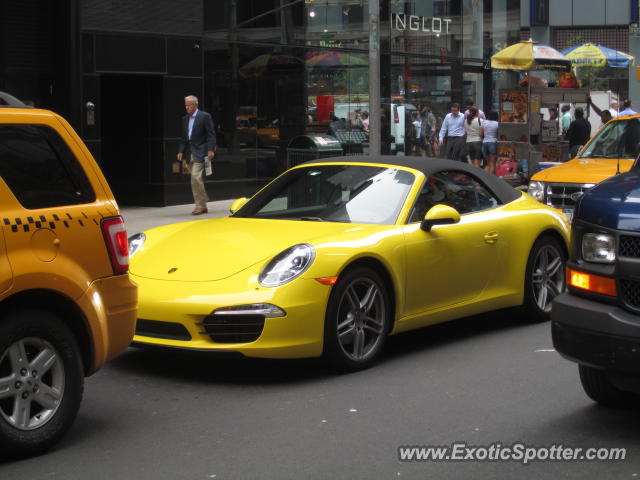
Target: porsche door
x=452 y=264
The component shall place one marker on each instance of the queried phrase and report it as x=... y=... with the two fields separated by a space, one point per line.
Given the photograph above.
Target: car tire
x=52 y=373
x=357 y=321
x=544 y=278
x=599 y=388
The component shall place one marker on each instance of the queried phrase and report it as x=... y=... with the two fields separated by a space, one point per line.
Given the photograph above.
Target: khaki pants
x=197 y=183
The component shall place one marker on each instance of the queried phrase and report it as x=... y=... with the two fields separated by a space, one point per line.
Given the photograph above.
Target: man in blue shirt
x=452 y=135
x=627 y=109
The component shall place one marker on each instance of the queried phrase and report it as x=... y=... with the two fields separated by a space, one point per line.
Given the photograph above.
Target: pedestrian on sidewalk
x=473 y=127
x=197 y=145
x=579 y=132
x=452 y=135
x=628 y=110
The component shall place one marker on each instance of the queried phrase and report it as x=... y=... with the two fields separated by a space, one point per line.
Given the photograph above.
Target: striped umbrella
x=590 y=55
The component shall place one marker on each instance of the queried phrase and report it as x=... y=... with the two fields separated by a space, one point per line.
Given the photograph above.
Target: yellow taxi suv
x=67 y=304
x=333 y=256
x=610 y=151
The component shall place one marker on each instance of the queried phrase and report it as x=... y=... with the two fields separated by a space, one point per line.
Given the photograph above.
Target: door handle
x=491 y=237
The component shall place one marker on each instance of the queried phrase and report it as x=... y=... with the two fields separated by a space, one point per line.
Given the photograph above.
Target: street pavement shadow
x=460 y=330
x=210 y=368
x=590 y=426
x=203 y=367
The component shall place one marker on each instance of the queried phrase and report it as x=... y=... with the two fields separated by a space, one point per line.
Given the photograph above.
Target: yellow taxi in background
x=610 y=151
x=67 y=304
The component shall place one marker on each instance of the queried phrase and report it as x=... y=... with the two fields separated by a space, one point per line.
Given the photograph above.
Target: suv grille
x=629 y=246
x=233 y=328
x=630 y=292
x=559 y=195
x=169 y=330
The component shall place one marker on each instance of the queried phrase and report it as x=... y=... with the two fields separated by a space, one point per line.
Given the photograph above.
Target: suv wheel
x=41 y=381
x=599 y=388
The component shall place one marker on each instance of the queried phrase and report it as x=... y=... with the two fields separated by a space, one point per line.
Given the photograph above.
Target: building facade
x=573 y=22
x=268 y=71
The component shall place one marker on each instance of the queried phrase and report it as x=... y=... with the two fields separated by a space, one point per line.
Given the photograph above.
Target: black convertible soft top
x=505 y=192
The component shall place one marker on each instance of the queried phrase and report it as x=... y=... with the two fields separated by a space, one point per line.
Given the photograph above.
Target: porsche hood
x=209 y=250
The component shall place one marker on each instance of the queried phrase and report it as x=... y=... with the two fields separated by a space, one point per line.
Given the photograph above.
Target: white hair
x=192 y=99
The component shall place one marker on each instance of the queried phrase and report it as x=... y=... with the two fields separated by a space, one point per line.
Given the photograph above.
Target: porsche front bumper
x=180 y=315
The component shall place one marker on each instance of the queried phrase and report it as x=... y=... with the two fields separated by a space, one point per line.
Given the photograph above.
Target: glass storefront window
x=337 y=23
x=304 y=69
x=428 y=27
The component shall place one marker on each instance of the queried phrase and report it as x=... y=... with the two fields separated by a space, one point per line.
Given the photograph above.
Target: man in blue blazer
x=198 y=143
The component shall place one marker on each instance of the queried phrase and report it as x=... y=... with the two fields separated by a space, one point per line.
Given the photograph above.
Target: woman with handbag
x=473 y=127
x=490 y=141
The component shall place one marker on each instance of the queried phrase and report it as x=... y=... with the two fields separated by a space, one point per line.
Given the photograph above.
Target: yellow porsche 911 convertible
x=334 y=255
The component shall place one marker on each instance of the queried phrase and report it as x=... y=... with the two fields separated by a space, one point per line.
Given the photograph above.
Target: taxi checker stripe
x=29 y=222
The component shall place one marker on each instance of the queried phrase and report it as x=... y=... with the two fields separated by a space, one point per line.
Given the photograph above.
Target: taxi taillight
x=115 y=236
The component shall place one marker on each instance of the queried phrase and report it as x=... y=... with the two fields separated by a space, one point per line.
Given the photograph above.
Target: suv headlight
x=536 y=190
x=135 y=243
x=598 y=248
x=287 y=265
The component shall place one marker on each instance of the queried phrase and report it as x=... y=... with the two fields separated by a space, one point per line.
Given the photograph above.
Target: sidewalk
x=138 y=219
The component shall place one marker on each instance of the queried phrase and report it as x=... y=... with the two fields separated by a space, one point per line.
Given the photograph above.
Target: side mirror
x=439 y=215
x=238 y=204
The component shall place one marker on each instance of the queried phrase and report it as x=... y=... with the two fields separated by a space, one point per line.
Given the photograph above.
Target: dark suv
x=597 y=322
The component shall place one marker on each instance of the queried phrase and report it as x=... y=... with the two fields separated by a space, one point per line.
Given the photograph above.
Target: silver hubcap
x=548 y=277
x=31 y=383
x=361 y=317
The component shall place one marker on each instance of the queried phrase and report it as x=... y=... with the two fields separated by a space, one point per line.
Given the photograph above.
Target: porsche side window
x=459 y=190
x=432 y=193
x=465 y=193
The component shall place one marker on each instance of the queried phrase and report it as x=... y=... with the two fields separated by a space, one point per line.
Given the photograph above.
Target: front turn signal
x=591 y=283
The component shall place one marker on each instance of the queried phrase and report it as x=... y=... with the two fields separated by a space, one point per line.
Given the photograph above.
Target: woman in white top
x=418 y=142
x=473 y=127
x=490 y=142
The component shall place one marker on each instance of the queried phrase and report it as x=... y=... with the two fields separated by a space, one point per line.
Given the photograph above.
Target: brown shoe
x=199 y=211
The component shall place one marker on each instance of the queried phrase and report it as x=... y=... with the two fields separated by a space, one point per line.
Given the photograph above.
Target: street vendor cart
x=525 y=139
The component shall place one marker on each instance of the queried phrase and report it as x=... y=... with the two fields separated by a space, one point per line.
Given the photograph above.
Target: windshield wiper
x=312 y=219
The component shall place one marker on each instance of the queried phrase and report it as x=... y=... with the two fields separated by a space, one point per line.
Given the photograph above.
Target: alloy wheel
x=32 y=381
x=547 y=276
x=361 y=319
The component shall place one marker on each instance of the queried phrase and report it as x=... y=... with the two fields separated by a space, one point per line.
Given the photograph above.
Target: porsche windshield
x=618 y=139
x=334 y=193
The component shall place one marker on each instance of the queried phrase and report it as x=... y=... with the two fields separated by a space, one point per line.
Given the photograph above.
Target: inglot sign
x=416 y=23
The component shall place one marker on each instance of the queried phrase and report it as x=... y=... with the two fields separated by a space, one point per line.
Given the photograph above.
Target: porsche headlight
x=598 y=248
x=287 y=265
x=536 y=190
x=135 y=243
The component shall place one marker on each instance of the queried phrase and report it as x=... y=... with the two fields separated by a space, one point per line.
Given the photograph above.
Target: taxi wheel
x=357 y=320
x=41 y=382
x=599 y=388
x=544 y=278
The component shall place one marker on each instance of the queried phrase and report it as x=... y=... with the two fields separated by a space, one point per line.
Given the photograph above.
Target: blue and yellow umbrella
x=590 y=55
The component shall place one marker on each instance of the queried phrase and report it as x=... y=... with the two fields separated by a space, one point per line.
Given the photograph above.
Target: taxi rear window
x=40 y=169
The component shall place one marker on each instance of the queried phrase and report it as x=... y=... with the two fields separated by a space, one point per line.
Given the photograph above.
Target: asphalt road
x=481 y=380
